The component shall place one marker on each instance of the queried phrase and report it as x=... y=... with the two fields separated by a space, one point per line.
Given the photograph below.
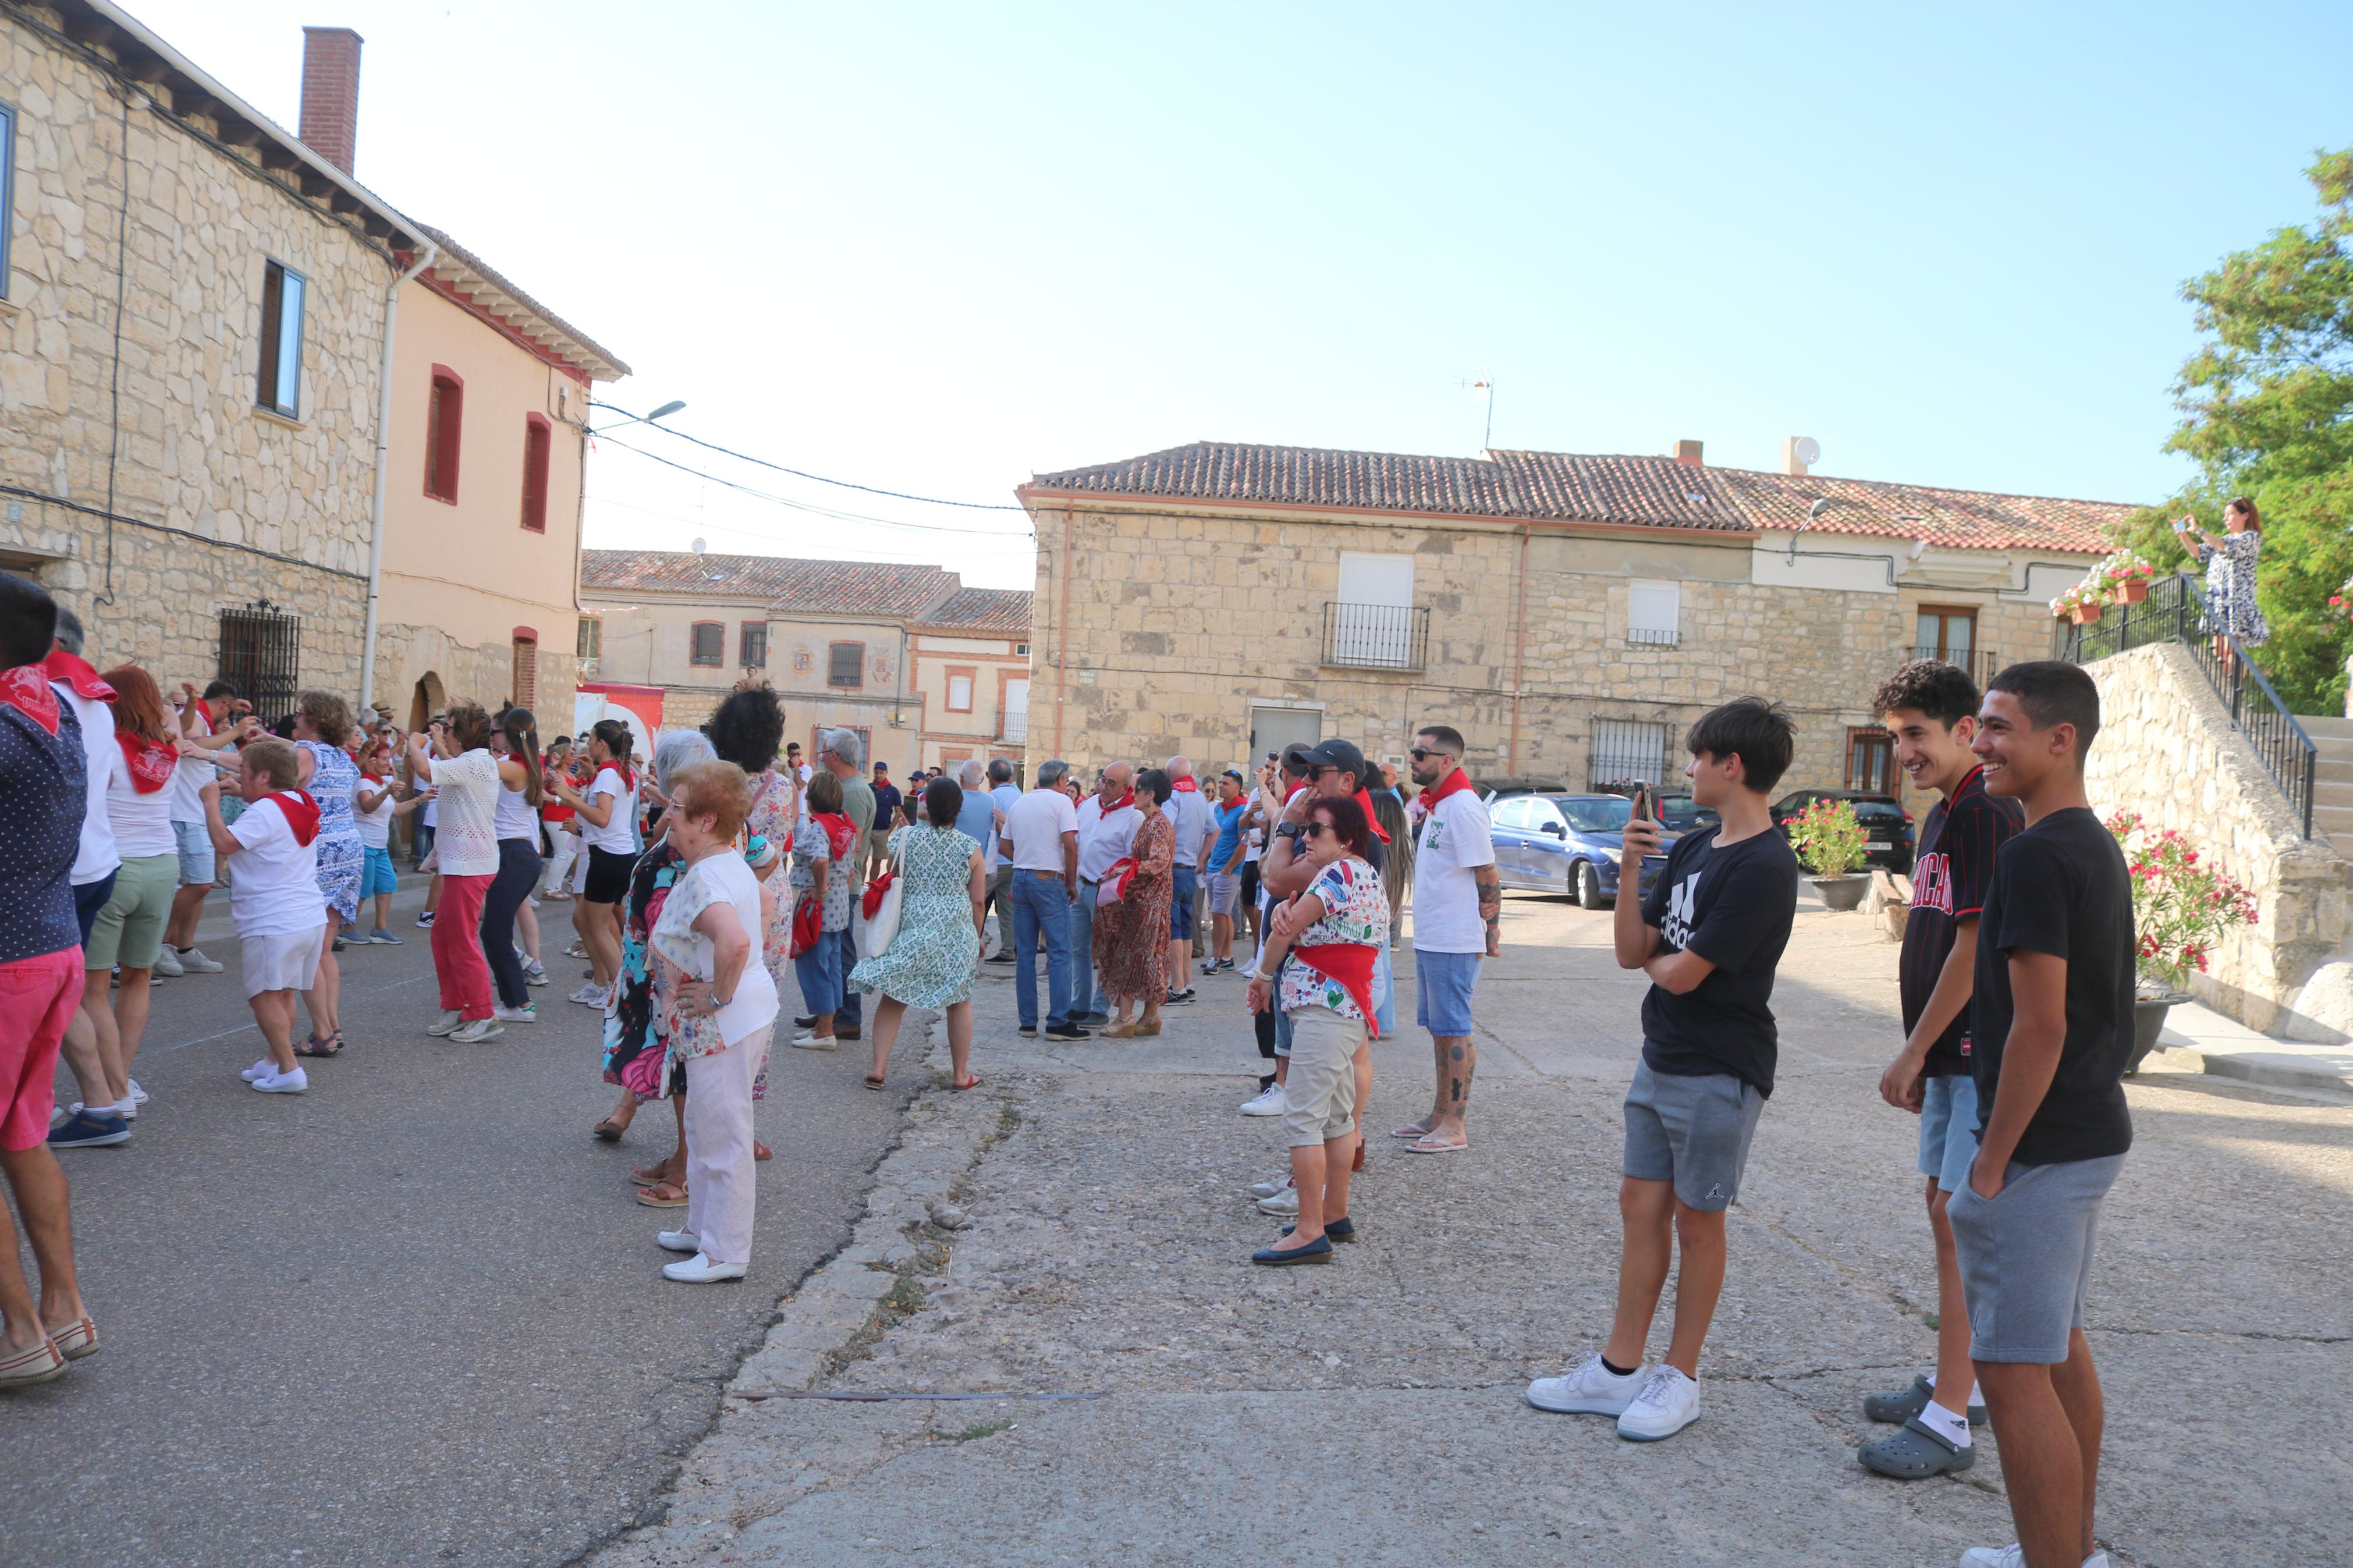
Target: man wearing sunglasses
x=1457 y=908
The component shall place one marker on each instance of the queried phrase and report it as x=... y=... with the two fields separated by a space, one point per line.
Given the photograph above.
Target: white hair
x=1178 y=768
x=842 y=743
x=970 y=775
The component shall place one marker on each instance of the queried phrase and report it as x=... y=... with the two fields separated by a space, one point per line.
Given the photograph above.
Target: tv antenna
x=1483 y=386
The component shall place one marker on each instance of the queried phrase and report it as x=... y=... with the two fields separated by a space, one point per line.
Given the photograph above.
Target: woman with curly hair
x=321 y=732
x=746 y=730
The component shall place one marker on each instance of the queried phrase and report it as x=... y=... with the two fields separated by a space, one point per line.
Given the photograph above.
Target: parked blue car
x=1564 y=844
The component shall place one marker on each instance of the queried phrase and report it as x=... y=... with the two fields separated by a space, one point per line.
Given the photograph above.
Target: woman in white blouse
x=467 y=780
x=720 y=1008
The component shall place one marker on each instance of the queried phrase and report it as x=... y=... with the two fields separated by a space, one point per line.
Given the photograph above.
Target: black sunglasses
x=1317 y=830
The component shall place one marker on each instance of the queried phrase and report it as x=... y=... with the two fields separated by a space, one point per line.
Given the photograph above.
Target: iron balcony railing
x=2175 y=611
x=1981 y=663
x=1014 y=728
x=1376 y=637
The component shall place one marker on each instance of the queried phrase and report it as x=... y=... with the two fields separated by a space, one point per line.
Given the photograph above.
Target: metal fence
x=2176 y=612
x=1013 y=728
x=1376 y=637
x=262 y=655
x=1627 y=752
x=1981 y=663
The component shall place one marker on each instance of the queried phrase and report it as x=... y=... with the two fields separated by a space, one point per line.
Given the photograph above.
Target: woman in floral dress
x=1131 y=937
x=2232 y=613
x=323 y=727
x=931 y=962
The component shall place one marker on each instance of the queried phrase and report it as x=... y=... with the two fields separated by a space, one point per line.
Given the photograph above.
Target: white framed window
x=1655 y=613
x=959 y=693
x=1372 y=623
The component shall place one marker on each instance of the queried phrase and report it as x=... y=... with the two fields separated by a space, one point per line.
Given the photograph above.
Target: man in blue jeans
x=1043 y=828
x=1107 y=823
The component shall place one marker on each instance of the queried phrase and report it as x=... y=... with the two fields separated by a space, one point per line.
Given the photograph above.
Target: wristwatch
x=1287 y=830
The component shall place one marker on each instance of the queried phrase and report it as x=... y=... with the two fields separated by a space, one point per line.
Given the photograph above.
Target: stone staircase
x=2332 y=789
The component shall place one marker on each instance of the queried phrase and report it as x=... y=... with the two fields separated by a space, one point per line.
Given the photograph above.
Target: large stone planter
x=2148 y=1022
x=1841 y=892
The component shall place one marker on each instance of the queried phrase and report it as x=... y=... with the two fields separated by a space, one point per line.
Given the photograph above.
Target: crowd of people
x=702 y=878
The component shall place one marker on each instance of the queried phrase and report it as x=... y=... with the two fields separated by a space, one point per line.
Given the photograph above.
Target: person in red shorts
x=42 y=791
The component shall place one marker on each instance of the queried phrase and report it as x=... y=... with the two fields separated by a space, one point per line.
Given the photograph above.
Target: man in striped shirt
x=1931 y=707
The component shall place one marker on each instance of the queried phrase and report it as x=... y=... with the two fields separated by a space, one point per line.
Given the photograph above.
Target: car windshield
x=1597 y=816
x=1877 y=811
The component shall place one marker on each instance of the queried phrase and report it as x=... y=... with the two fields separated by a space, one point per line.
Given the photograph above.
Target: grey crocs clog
x=1894 y=1409
x=1914 y=1453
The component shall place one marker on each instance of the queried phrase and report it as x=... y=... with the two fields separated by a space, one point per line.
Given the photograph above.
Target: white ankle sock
x=1977 y=1391
x=1954 y=1429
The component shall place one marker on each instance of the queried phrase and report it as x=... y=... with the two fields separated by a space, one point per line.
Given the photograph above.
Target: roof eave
x=1326 y=509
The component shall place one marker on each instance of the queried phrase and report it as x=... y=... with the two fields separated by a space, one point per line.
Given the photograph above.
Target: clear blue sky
x=939 y=247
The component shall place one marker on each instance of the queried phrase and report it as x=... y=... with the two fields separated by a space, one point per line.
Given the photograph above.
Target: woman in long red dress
x=1131 y=937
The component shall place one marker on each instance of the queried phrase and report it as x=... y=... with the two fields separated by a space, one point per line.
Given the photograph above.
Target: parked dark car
x=1679 y=814
x=1886 y=826
x=1564 y=844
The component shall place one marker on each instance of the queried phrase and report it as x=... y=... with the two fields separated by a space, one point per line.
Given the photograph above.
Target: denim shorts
x=376 y=875
x=1691 y=1130
x=1948 y=1130
x=1180 y=904
x=1442 y=983
x=195 y=842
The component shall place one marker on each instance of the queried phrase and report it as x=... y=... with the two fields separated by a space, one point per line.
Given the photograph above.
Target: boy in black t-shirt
x=1709 y=936
x=1932 y=708
x=2051 y=1030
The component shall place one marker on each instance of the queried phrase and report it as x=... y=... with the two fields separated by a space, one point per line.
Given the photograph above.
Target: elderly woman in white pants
x=721 y=1009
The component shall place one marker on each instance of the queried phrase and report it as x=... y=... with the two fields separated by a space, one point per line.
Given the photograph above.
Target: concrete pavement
x=413 y=1316
x=1369 y=1412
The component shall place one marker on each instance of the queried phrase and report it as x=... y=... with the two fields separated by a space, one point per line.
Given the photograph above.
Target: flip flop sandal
x=972 y=1082
x=663 y=1195
x=608 y=1130
x=876 y=1084
x=1915 y=1451
x=650 y=1175
x=1434 y=1146
x=1411 y=1130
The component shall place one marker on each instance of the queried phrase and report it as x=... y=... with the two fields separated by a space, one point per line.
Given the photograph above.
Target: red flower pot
x=2132 y=591
x=2084 y=614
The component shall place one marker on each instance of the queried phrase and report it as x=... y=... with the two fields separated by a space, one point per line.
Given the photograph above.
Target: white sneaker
x=475 y=1031
x=293 y=1082
x=1267 y=1101
x=1279 y=1182
x=1587 y=1388
x=807 y=1041
x=1284 y=1203
x=445 y=1024
x=2014 y=1556
x=127 y=1108
x=700 y=1270
x=259 y=1071
x=527 y=1013
x=589 y=996
x=167 y=963
x=678 y=1241
x=138 y=1095
x=1669 y=1403
x=194 y=962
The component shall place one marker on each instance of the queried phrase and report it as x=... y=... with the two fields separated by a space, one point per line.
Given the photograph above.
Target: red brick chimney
x=1686 y=452
x=330 y=93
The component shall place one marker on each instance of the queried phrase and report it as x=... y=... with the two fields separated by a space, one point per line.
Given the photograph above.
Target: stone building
x=192 y=315
x=1570 y=615
x=858 y=645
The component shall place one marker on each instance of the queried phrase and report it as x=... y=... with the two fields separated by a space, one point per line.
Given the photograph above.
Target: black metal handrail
x=2175 y=611
x=1376 y=637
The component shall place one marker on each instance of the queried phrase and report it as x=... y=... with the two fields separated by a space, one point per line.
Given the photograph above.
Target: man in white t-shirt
x=1456 y=905
x=1107 y=823
x=1042 y=831
x=1007 y=795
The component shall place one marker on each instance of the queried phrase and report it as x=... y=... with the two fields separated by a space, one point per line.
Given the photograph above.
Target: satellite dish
x=1807 y=451
x=698 y=547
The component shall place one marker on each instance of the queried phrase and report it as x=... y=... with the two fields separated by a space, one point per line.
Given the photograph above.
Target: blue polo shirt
x=1230 y=834
x=42 y=798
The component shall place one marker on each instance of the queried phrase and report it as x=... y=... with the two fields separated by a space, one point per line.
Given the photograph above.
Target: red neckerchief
x=1350 y=963
x=151 y=762
x=1365 y=799
x=1293 y=794
x=76 y=672
x=841 y=833
x=1456 y=782
x=301 y=812
x=1122 y=803
x=27 y=688
x=1183 y=785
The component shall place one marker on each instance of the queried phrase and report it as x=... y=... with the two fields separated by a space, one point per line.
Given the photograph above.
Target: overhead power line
x=817 y=511
x=800 y=474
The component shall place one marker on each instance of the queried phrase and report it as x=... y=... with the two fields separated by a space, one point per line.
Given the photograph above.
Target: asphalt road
x=413 y=1316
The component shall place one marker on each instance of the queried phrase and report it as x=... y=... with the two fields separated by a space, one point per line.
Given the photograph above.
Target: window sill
x=445 y=500
x=271 y=416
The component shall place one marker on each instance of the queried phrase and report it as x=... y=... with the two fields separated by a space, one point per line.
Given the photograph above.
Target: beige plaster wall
x=990 y=660
x=194 y=454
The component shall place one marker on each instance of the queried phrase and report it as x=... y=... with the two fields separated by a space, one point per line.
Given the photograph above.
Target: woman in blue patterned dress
x=323 y=728
x=932 y=961
x=2233 y=616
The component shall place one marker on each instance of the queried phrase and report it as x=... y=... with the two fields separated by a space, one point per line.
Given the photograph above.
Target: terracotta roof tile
x=1568 y=487
x=827 y=587
x=983 y=610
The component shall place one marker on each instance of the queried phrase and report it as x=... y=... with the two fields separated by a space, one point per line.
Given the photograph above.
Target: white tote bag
x=882 y=925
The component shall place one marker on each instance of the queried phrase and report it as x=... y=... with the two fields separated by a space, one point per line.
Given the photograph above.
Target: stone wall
x=406 y=654
x=2167 y=750
x=194 y=452
x=1177 y=625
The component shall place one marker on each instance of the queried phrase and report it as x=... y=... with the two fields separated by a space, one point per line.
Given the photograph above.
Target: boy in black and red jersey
x=1931 y=707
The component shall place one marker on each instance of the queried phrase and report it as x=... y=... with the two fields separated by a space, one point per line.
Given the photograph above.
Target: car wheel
x=1588 y=882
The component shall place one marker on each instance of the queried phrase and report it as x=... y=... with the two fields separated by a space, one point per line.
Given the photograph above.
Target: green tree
x=2267 y=406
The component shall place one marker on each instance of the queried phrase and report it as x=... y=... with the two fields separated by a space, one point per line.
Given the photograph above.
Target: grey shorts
x=1319 y=1093
x=2026 y=1255
x=1692 y=1131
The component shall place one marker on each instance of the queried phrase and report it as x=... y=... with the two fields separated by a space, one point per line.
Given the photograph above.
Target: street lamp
x=664 y=412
